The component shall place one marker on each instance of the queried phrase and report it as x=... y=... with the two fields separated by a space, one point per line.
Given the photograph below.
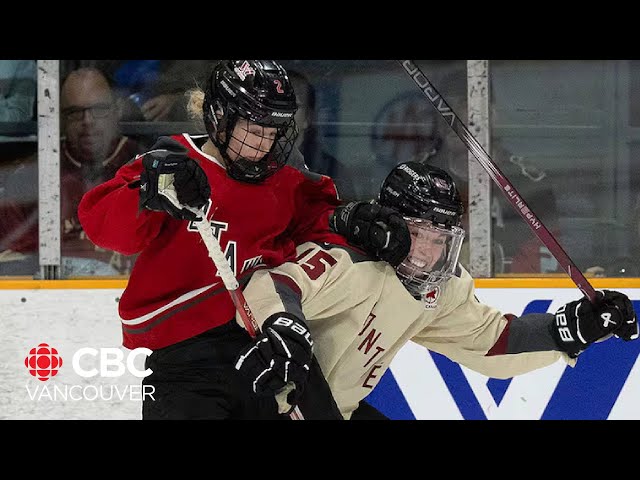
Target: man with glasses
x=92 y=140
x=92 y=149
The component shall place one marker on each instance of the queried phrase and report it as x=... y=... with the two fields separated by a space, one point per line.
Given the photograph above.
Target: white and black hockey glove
x=379 y=231
x=171 y=179
x=580 y=323
x=280 y=354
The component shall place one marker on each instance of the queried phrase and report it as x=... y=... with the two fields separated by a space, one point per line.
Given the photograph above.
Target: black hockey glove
x=280 y=354
x=170 y=179
x=580 y=323
x=378 y=230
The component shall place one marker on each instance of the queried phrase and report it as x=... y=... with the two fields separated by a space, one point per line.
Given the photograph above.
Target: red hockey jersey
x=173 y=291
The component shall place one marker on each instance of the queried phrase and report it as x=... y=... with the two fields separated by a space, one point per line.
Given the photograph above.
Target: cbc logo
x=43 y=362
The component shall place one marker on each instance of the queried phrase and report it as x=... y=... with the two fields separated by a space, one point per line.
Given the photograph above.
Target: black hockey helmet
x=421 y=190
x=428 y=200
x=260 y=92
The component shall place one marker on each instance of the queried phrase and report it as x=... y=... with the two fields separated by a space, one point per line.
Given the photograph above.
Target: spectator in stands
x=309 y=142
x=92 y=149
x=316 y=157
x=152 y=90
x=18 y=80
x=18 y=150
x=17 y=90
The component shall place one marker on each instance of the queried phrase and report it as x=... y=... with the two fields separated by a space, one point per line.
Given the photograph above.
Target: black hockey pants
x=196 y=379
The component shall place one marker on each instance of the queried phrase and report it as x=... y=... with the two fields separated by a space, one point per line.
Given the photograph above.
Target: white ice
x=66 y=320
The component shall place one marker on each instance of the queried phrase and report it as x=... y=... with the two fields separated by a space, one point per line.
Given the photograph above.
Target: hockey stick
x=498 y=177
x=165 y=188
x=232 y=285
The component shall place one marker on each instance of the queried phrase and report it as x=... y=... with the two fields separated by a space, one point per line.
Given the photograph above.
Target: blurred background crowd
x=565 y=133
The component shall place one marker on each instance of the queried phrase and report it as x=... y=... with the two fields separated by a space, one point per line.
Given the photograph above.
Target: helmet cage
x=418 y=277
x=226 y=102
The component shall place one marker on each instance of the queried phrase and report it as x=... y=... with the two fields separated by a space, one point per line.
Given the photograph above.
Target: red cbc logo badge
x=43 y=362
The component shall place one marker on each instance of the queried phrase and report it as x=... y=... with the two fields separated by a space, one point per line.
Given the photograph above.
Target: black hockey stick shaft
x=472 y=144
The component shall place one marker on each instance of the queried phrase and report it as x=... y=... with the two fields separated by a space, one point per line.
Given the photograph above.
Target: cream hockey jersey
x=360 y=316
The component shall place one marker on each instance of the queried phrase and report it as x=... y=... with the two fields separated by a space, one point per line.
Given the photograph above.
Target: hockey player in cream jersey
x=361 y=312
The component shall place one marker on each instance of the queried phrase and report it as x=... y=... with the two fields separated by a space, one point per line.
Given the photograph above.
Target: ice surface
x=67 y=320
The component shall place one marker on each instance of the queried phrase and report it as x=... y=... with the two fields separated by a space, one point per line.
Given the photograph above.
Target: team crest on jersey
x=431 y=298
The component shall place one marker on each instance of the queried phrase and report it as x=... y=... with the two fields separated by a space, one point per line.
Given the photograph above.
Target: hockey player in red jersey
x=361 y=312
x=259 y=208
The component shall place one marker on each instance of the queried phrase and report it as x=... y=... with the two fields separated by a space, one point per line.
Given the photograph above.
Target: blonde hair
x=195 y=101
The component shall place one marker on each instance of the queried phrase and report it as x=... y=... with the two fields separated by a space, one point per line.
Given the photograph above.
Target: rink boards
x=605 y=384
x=70 y=315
